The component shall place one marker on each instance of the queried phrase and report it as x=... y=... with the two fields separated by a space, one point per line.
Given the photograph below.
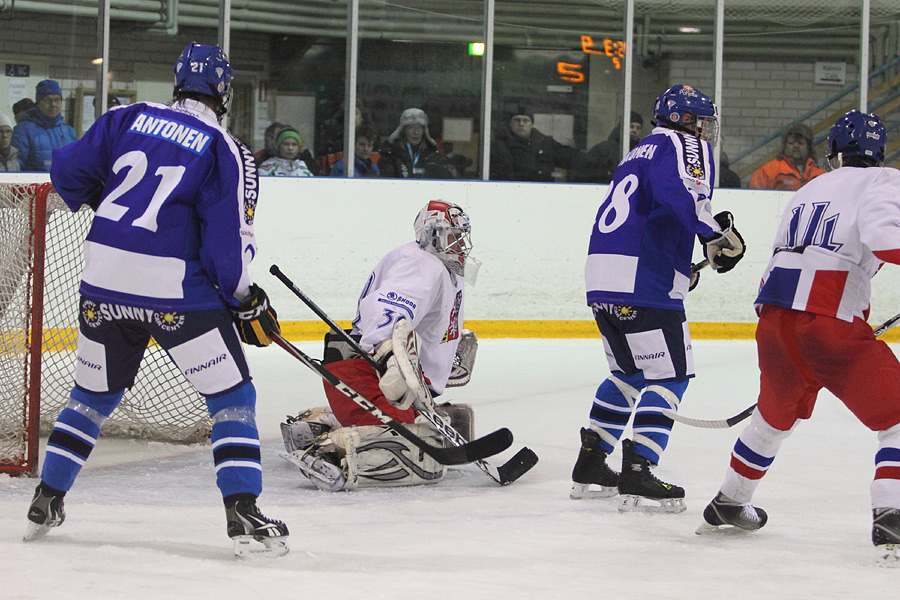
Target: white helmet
x=443 y=229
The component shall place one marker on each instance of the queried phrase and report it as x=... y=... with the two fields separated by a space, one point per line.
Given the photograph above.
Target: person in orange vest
x=794 y=166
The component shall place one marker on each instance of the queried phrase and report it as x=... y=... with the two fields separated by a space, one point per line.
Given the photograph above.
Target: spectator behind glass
x=42 y=129
x=291 y=160
x=270 y=149
x=9 y=156
x=411 y=152
x=794 y=166
x=599 y=163
x=334 y=147
x=522 y=153
x=457 y=165
x=20 y=107
x=363 y=165
x=727 y=177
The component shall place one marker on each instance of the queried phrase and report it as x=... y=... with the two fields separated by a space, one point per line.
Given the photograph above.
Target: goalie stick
x=505 y=474
x=492 y=443
x=731 y=421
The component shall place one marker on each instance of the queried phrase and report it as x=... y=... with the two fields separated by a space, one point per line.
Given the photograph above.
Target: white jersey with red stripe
x=835 y=234
x=410 y=283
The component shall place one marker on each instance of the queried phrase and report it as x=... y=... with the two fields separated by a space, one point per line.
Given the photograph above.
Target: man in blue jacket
x=42 y=128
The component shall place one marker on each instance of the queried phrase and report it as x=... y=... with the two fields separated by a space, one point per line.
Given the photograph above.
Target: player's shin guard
x=753 y=454
x=885 y=488
x=235 y=441
x=74 y=436
x=651 y=426
x=613 y=405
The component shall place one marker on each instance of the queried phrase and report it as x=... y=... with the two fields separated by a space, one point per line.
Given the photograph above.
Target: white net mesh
x=161 y=405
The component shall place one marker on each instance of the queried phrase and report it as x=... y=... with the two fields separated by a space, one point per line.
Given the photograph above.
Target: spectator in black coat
x=520 y=152
x=599 y=163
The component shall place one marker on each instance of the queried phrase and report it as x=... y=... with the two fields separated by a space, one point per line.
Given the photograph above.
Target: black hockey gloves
x=725 y=248
x=255 y=318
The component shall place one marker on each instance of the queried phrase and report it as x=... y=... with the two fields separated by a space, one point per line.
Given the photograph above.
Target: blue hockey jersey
x=178 y=193
x=643 y=237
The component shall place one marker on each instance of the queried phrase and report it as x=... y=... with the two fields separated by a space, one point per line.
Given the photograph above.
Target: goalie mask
x=443 y=229
x=686 y=109
x=205 y=70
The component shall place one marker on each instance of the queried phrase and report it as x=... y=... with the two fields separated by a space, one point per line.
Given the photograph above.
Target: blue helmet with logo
x=857 y=134
x=686 y=109
x=205 y=70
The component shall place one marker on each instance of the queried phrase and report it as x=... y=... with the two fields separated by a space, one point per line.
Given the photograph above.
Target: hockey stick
x=889 y=324
x=505 y=474
x=477 y=449
x=731 y=421
x=702 y=265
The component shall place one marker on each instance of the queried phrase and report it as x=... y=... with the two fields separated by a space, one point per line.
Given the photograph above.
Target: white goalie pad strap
x=405 y=343
x=464 y=361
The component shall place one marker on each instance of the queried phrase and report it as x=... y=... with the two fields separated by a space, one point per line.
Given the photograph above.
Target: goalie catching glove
x=255 y=318
x=725 y=248
x=402 y=381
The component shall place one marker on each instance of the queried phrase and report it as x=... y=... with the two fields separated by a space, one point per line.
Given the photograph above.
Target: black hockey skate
x=724 y=515
x=46 y=511
x=246 y=525
x=886 y=536
x=591 y=469
x=637 y=484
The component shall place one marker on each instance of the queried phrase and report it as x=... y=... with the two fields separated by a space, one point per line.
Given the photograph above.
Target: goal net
x=40 y=271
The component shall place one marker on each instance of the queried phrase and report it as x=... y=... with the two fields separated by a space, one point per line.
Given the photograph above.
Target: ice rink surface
x=145 y=519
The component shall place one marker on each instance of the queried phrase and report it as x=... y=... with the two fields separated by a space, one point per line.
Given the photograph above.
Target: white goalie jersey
x=409 y=283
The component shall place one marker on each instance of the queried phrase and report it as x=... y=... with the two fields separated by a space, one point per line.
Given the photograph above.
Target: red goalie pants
x=801 y=352
x=361 y=376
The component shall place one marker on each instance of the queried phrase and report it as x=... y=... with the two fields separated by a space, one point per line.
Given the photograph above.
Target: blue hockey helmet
x=857 y=134
x=205 y=70
x=686 y=109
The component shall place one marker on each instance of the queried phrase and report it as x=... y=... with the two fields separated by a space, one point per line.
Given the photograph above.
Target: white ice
x=145 y=520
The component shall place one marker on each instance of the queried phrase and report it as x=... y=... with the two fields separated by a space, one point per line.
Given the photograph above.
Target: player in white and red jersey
x=418 y=286
x=835 y=234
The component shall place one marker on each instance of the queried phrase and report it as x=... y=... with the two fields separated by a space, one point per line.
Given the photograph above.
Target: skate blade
x=888 y=555
x=722 y=530
x=332 y=480
x=248 y=547
x=583 y=491
x=34 y=532
x=631 y=503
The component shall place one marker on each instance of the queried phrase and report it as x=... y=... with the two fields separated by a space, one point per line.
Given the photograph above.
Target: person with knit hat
x=42 y=128
x=520 y=152
x=291 y=160
x=20 y=107
x=599 y=163
x=411 y=152
x=9 y=156
x=795 y=164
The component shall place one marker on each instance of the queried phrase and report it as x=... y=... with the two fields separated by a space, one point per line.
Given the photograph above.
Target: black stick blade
x=517 y=466
x=489 y=445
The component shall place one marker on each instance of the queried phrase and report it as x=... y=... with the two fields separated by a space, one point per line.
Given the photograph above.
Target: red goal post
x=41 y=259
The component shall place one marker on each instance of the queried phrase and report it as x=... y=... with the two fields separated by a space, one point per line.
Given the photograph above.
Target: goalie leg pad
x=461 y=416
x=384 y=459
x=300 y=431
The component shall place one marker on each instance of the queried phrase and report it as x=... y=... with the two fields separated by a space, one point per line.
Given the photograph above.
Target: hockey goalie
x=410 y=321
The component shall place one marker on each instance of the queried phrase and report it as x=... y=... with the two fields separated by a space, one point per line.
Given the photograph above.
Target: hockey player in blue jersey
x=167 y=258
x=638 y=272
